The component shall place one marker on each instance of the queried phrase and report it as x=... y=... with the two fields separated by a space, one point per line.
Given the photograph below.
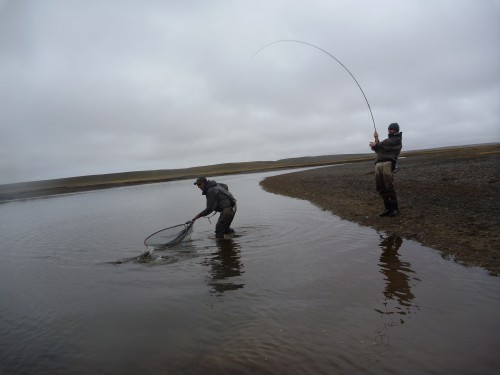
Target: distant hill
x=95 y=182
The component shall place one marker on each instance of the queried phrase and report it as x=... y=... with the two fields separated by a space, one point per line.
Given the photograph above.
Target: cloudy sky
x=103 y=86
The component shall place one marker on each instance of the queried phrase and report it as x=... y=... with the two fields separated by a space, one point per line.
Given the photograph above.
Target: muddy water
x=296 y=291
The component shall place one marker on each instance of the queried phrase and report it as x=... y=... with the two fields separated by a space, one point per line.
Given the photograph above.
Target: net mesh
x=169 y=237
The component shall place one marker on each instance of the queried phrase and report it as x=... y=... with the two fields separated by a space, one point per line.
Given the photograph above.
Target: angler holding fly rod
x=387 y=156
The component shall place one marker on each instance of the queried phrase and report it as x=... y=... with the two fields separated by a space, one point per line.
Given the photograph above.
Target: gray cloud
x=91 y=87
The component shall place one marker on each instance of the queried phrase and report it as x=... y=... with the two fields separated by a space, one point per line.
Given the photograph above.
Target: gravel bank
x=449 y=200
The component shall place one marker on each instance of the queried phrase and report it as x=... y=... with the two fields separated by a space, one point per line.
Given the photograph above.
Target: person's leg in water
x=223 y=224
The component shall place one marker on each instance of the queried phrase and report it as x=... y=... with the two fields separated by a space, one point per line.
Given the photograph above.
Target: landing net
x=169 y=237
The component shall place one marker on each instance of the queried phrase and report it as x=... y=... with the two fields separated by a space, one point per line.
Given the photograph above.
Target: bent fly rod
x=331 y=56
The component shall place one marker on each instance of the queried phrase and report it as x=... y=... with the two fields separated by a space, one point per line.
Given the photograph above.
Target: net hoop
x=170 y=236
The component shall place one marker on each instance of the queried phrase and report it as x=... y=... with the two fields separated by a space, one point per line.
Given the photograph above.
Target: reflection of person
x=218 y=199
x=225 y=264
x=397 y=292
x=396 y=273
x=387 y=155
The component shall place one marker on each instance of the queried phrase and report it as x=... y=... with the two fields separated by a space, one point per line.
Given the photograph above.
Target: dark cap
x=394 y=126
x=200 y=180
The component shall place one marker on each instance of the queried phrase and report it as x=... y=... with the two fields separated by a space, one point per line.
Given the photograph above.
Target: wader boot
x=393 y=203
x=387 y=208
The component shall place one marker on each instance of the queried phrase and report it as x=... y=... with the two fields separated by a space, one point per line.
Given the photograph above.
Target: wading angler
x=219 y=199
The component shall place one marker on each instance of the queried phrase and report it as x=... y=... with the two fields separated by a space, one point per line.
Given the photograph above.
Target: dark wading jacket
x=218 y=198
x=389 y=148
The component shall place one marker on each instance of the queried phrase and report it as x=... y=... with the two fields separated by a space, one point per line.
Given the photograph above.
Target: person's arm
x=211 y=204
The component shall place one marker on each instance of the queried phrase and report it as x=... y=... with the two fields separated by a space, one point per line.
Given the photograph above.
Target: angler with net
x=219 y=199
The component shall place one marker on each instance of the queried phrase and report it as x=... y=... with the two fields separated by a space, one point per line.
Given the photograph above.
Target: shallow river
x=296 y=291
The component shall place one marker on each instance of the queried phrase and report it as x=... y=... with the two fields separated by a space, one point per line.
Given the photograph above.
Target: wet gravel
x=449 y=200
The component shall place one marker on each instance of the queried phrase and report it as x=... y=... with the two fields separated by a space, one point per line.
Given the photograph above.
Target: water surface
x=296 y=291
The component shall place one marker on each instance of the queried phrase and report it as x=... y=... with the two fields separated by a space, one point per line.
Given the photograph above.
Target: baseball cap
x=200 y=180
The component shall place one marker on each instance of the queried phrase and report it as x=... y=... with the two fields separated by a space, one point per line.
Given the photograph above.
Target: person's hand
x=372 y=144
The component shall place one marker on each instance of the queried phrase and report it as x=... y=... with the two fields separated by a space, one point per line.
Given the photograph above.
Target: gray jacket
x=389 y=148
x=218 y=198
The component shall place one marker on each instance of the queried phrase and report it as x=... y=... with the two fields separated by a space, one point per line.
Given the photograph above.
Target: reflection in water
x=225 y=264
x=398 y=296
x=397 y=292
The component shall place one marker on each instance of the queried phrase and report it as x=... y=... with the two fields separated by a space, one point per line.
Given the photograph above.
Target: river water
x=296 y=291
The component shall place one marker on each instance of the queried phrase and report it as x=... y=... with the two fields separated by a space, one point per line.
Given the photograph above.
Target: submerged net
x=169 y=237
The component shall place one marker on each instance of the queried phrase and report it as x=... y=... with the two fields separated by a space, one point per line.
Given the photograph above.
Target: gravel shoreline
x=449 y=200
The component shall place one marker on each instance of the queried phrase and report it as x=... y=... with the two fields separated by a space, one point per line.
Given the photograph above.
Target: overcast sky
x=103 y=86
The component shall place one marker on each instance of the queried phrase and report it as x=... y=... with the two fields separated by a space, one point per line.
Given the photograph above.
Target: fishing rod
x=231 y=86
x=330 y=55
